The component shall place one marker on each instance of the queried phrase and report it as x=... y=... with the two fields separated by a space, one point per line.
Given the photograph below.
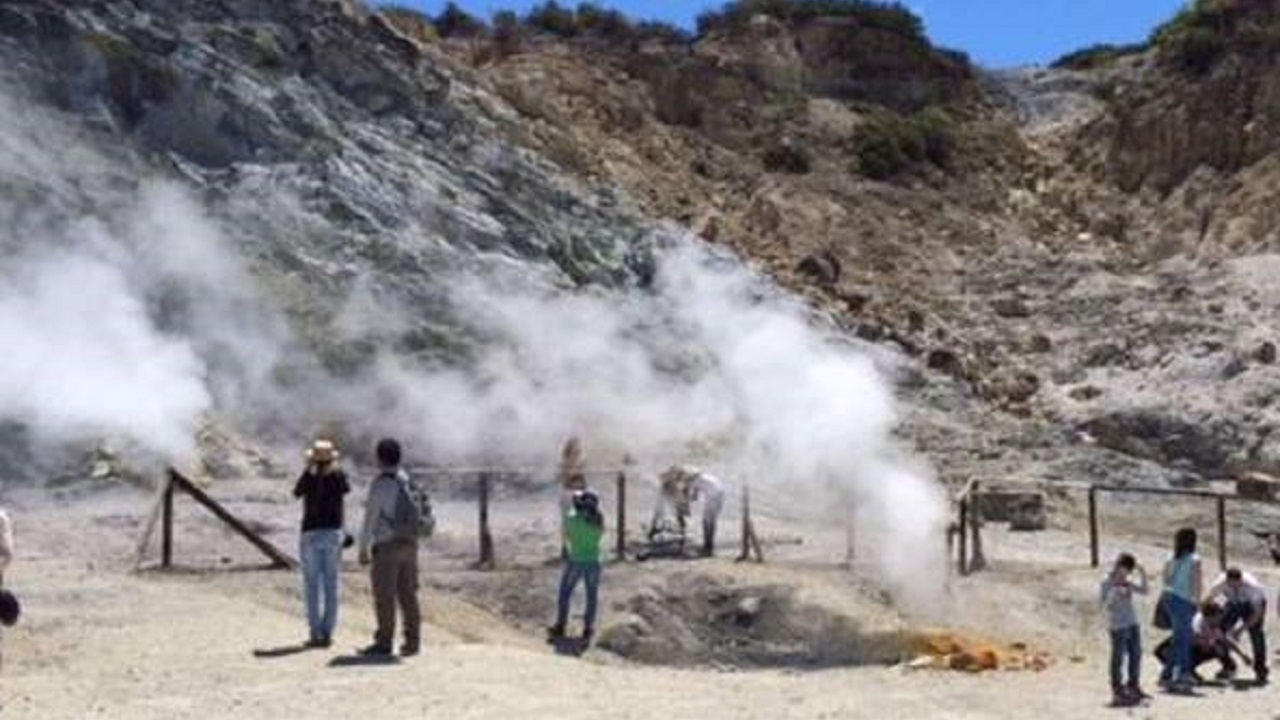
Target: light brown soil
x=99 y=640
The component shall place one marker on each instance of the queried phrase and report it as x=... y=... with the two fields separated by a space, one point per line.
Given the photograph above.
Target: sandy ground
x=102 y=641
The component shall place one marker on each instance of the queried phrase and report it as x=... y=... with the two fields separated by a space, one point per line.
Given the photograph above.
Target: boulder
x=1257 y=486
x=823 y=268
x=1011 y=307
x=1265 y=353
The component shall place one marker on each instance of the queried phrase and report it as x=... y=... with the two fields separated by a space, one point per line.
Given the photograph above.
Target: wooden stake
x=153 y=517
x=1094 y=559
x=166 y=528
x=278 y=558
x=1222 y=533
x=486 y=538
x=620 y=551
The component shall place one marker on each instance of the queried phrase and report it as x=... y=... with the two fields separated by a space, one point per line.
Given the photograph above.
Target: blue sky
x=996 y=33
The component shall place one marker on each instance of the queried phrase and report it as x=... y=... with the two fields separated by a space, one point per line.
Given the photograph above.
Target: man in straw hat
x=322 y=488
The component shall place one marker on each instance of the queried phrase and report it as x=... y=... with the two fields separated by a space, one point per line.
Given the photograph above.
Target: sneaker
x=376 y=650
x=409 y=649
x=319 y=642
x=554 y=633
x=1225 y=675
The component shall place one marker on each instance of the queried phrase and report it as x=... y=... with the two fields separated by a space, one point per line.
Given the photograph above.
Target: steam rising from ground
x=139 y=320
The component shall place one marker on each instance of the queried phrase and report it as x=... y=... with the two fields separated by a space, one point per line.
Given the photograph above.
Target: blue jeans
x=1239 y=612
x=1181 y=613
x=575 y=572
x=1126 y=644
x=320 y=552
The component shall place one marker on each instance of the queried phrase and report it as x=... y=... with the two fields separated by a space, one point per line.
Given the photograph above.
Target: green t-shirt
x=584 y=539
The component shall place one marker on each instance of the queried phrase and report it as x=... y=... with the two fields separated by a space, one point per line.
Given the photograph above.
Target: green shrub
x=937 y=130
x=1096 y=56
x=785 y=157
x=508 y=36
x=1199 y=35
x=552 y=18
x=600 y=22
x=891 y=16
x=888 y=144
x=410 y=22
x=453 y=21
x=662 y=32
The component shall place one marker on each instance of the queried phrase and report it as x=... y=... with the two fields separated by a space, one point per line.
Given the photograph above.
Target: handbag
x=1161 y=620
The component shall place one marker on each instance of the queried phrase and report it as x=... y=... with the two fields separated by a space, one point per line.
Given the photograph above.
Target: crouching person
x=389 y=540
x=1208 y=643
x=584 y=527
x=1244 y=610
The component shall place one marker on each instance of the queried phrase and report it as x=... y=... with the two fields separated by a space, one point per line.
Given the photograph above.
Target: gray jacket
x=380 y=508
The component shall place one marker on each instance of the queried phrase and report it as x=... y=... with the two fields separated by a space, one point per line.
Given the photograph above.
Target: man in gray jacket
x=394 y=554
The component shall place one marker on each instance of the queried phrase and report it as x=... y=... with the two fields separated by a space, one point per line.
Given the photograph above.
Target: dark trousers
x=1126 y=645
x=1238 y=612
x=395 y=580
x=1200 y=654
x=574 y=573
x=709 y=535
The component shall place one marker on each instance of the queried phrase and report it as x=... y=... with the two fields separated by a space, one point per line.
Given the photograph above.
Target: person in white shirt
x=682 y=486
x=1244 y=605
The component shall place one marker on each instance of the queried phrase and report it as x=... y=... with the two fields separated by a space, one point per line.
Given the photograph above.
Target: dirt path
x=100 y=643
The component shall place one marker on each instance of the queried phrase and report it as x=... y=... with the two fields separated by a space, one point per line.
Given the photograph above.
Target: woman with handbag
x=1183 y=585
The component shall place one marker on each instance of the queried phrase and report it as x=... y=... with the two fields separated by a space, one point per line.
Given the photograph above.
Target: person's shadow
x=356 y=660
x=571 y=646
x=282 y=651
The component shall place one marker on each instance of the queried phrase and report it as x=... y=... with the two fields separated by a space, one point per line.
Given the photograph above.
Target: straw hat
x=322 y=451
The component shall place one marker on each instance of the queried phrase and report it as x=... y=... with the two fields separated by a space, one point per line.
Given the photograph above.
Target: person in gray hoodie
x=1118 y=589
x=393 y=553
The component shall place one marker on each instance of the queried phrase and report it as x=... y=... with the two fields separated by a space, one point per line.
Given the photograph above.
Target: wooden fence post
x=621 y=550
x=1093 y=527
x=486 y=539
x=977 y=558
x=166 y=526
x=1222 y=533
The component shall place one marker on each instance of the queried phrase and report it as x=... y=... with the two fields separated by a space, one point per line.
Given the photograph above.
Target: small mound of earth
x=700 y=620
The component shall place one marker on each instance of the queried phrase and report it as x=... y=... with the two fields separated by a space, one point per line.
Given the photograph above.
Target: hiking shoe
x=410 y=649
x=1137 y=692
x=554 y=633
x=375 y=650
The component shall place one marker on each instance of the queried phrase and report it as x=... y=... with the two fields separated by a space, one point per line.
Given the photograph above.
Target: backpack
x=413 y=517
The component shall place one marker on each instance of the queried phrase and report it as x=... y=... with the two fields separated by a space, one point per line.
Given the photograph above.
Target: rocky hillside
x=1073 y=262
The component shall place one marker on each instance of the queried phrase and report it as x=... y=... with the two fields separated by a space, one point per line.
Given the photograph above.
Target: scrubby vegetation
x=889 y=144
x=453 y=21
x=890 y=16
x=1096 y=56
x=410 y=22
x=1201 y=34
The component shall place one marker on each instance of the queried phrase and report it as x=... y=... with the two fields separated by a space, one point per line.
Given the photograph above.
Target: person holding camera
x=322 y=489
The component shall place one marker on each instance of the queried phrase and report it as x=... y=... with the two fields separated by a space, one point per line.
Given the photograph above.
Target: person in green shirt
x=583 y=529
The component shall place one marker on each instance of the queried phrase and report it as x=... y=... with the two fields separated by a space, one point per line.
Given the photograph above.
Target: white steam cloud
x=141 y=322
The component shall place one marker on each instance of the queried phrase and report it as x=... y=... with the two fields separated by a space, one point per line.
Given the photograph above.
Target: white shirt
x=1249 y=590
x=710 y=491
